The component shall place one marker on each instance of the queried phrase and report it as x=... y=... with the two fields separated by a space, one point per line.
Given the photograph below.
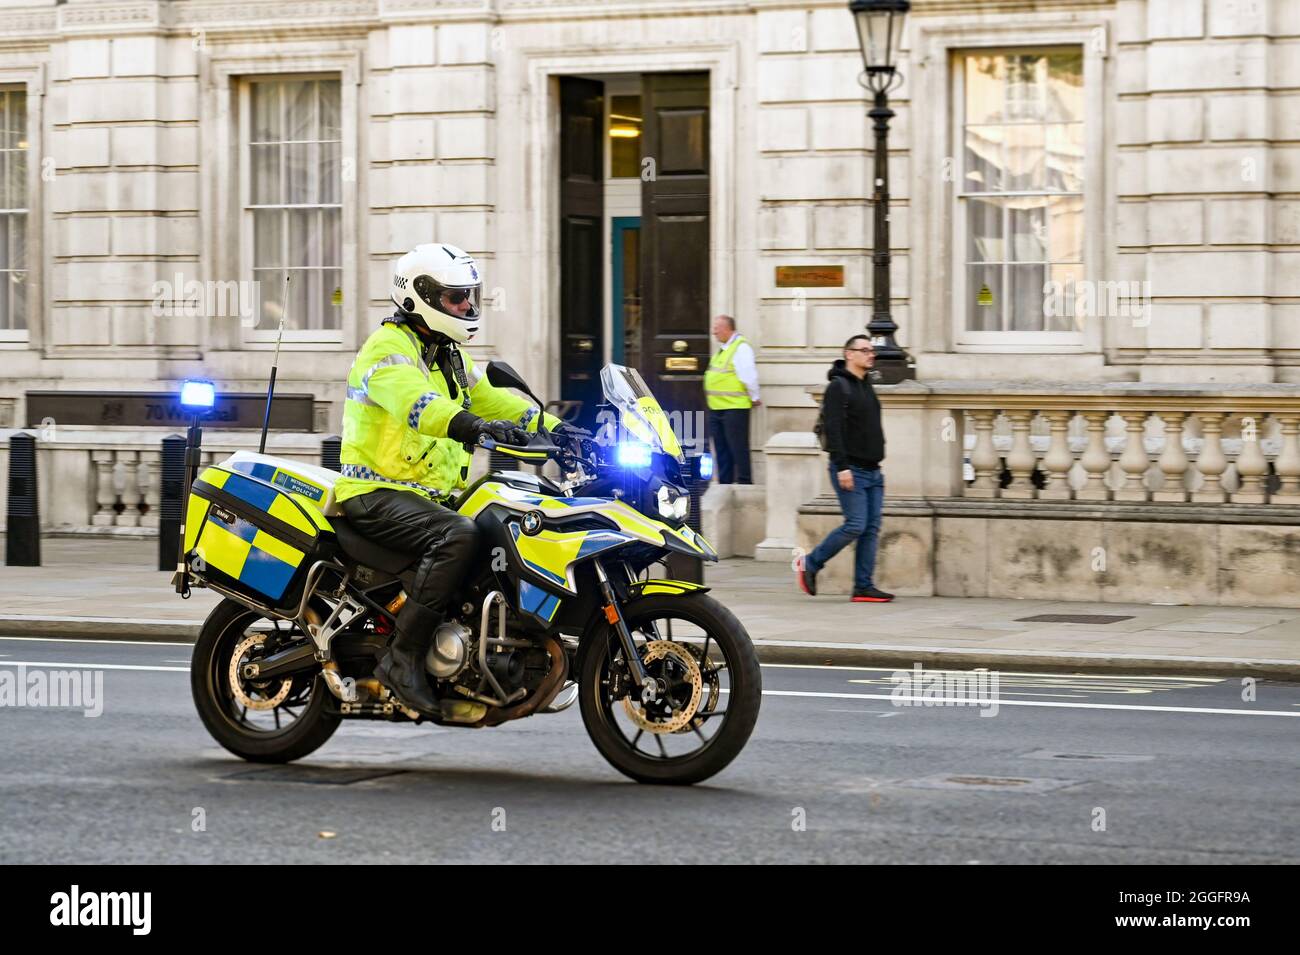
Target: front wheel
x=269 y=721
x=708 y=690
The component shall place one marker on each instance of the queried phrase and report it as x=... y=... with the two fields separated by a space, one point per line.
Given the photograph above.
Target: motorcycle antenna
x=275 y=363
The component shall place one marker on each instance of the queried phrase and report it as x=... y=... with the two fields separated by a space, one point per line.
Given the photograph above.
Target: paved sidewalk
x=92 y=587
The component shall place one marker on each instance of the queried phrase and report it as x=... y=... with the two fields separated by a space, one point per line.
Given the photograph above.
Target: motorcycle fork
x=614 y=614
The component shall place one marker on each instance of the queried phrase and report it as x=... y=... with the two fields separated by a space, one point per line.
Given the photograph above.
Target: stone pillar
x=1288 y=461
x=152 y=488
x=1096 y=459
x=1252 y=466
x=1173 y=460
x=1058 y=460
x=796 y=472
x=130 y=516
x=984 y=457
x=1211 y=462
x=105 y=496
x=1134 y=460
x=1020 y=459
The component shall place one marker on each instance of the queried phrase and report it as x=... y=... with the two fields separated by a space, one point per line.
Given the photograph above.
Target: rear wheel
x=708 y=690
x=268 y=721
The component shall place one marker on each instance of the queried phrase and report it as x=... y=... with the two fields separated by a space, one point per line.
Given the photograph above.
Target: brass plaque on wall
x=681 y=363
x=809 y=276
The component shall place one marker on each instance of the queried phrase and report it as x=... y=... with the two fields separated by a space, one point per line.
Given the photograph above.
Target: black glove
x=467 y=428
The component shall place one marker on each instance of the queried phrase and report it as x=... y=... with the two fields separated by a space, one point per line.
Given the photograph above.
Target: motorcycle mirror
x=501 y=375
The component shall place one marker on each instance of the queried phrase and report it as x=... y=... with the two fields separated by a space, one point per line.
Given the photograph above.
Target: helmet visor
x=464 y=302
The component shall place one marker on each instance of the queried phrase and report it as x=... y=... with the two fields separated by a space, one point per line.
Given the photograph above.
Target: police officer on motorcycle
x=415 y=404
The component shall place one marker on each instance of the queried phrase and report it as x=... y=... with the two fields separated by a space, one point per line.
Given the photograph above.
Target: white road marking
x=1076 y=706
x=143 y=643
x=1003 y=673
x=67 y=665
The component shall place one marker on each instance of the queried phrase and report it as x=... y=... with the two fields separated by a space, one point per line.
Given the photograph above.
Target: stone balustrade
x=1132 y=443
x=106 y=482
x=1133 y=492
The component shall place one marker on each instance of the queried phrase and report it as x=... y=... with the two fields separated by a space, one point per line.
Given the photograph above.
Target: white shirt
x=745 y=365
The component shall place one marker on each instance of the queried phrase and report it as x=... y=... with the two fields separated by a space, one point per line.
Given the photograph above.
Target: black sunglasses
x=455 y=298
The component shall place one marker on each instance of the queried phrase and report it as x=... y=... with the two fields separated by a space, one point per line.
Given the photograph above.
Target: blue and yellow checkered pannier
x=251 y=537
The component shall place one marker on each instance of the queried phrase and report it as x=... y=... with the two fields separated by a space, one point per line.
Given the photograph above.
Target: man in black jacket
x=856 y=443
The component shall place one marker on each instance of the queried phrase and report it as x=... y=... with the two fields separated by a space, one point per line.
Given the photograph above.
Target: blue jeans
x=862 y=508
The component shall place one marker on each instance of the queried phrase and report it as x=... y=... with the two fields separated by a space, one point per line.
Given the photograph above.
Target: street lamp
x=880 y=33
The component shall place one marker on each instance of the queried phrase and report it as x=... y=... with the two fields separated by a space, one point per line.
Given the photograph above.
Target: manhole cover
x=1099 y=619
x=1096 y=757
x=988 y=783
x=312 y=775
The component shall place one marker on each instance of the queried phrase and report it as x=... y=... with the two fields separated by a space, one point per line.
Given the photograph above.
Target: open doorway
x=634 y=233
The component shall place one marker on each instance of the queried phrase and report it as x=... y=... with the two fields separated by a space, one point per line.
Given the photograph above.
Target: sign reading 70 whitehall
x=146 y=409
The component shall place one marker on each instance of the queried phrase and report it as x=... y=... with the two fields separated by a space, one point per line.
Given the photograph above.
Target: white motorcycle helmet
x=438 y=286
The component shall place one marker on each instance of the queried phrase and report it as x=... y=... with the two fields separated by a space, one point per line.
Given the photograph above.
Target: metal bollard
x=23 y=539
x=171 y=509
x=331 y=447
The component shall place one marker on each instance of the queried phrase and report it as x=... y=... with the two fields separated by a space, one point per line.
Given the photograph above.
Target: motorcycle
x=559 y=606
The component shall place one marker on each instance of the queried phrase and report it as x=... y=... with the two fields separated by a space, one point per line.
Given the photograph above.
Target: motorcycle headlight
x=673 y=504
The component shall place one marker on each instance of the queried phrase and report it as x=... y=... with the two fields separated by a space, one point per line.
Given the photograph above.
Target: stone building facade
x=1137 y=157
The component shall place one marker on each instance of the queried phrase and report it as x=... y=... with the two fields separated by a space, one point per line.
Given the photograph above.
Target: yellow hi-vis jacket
x=396 y=415
x=723 y=388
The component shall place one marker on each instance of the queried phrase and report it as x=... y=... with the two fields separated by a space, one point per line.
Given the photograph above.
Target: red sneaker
x=807 y=581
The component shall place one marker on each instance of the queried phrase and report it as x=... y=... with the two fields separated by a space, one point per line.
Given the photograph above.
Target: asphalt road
x=1071 y=769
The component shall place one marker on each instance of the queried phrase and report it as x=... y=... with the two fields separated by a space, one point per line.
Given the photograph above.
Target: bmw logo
x=532 y=522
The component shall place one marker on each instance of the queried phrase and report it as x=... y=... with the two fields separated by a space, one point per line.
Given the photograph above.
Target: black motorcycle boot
x=402 y=667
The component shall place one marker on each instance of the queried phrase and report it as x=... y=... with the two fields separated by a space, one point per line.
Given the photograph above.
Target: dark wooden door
x=675 y=238
x=582 y=185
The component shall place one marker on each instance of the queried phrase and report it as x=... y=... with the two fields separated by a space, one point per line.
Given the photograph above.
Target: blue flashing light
x=706 y=466
x=633 y=454
x=198 y=395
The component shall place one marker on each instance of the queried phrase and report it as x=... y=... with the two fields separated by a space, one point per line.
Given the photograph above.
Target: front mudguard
x=644 y=588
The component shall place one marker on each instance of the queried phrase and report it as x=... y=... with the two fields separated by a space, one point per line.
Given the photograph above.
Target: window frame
x=247 y=209
x=31 y=82
x=226 y=253
x=960 y=207
x=962 y=204
x=931 y=43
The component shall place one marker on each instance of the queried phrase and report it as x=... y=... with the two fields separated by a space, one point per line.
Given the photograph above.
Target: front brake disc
x=669 y=653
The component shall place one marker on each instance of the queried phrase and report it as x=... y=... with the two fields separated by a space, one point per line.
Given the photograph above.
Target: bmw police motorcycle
x=564 y=603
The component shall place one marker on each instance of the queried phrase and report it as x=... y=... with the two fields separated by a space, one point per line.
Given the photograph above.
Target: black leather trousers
x=410 y=522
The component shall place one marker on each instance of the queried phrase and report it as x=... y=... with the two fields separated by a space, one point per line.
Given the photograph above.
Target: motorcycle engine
x=449 y=652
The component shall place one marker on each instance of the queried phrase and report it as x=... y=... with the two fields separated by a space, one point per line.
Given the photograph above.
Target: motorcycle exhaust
x=567 y=696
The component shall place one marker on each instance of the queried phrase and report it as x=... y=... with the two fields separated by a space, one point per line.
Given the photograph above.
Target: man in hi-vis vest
x=731 y=389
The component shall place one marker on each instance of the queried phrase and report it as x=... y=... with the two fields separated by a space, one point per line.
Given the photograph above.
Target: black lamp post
x=880 y=33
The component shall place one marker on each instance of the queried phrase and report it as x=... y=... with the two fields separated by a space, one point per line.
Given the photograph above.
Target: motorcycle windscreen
x=640 y=414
